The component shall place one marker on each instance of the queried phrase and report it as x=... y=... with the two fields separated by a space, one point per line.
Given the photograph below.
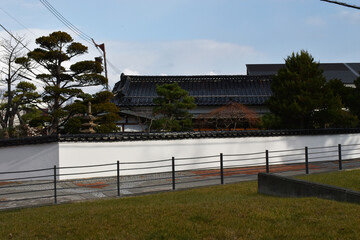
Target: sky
x=193 y=37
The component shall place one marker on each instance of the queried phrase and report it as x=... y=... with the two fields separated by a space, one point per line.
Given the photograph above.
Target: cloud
x=187 y=57
x=211 y=73
x=30 y=34
x=130 y=72
x=181 y=57
x=315 y=21
x=352 y=16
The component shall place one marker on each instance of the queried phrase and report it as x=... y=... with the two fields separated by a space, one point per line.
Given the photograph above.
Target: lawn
x=233 y=211
x=347 y=179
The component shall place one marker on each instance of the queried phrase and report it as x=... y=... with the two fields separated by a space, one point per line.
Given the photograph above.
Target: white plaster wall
x=141 y=154
x=93 y=153
x=28 y=157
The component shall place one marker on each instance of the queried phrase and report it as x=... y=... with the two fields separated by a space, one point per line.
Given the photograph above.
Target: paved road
x=36 y=193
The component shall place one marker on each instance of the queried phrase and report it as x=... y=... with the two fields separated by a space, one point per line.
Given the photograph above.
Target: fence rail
x=44 y=186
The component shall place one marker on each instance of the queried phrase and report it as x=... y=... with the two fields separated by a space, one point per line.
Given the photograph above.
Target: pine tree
x=302 y=99
x=104 y=111
x=172 y=105
x=61 y=84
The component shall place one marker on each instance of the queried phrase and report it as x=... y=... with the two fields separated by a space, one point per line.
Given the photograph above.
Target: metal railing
x=63 y=184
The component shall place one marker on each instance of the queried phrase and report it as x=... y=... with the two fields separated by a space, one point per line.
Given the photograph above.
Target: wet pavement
x=37 y=193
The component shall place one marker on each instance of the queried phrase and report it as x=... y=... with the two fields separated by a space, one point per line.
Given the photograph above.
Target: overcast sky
x=181 y=37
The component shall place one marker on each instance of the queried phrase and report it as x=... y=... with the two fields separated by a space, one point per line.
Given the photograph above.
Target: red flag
x=101 y=46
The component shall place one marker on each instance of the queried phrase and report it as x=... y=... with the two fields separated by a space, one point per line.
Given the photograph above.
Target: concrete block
x=275 y=185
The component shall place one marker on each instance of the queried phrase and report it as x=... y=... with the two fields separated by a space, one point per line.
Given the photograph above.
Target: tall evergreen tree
x=61 y=84
x=297 y=91
x=335 y=110
x=302 y=99
x=353 y=98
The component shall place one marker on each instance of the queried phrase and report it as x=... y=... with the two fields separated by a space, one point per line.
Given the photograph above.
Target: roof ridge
x=145 y=136
x=200 y=75
x=134 y=78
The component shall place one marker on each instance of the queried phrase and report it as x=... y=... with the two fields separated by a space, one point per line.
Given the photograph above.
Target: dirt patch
x=253 y=170
x=98 y=185
x=8 y=183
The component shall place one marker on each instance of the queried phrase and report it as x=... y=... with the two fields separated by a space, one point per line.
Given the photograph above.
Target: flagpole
x=105 y=65
x=102 y=47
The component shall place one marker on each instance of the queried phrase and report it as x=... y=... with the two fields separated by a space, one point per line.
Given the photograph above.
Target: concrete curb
x=275 y=185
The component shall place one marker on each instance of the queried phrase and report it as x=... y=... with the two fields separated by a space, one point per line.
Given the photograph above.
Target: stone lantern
x=88 y=125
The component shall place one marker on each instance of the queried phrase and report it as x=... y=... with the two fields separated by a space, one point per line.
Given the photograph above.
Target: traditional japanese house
x=134 y=95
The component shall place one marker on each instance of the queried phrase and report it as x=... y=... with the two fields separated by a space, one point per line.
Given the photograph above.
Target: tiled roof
x=207 y=90
x=142 y=136
x=346 y=72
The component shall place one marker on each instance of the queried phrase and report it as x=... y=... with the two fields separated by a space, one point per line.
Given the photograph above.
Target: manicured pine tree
x=60 y=84
x=172 y=108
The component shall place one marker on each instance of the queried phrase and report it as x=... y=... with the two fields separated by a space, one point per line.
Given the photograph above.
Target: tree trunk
x=9 y=100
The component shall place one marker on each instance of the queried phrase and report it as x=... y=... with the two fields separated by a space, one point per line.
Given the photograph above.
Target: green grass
x=234 y=211
x=347 y=179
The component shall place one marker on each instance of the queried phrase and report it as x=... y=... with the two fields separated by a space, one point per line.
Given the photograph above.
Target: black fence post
x=118 y=178
x=306 y=160
x=222 y=168
x=340 y=157
x=173 y=173
x=267 y=161
x=55 y=195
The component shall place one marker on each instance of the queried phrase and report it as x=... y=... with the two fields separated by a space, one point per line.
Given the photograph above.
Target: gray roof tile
x=207 y=90
x=346 y=72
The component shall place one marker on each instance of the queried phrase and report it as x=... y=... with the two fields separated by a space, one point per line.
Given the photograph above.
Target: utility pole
x=102 y=47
